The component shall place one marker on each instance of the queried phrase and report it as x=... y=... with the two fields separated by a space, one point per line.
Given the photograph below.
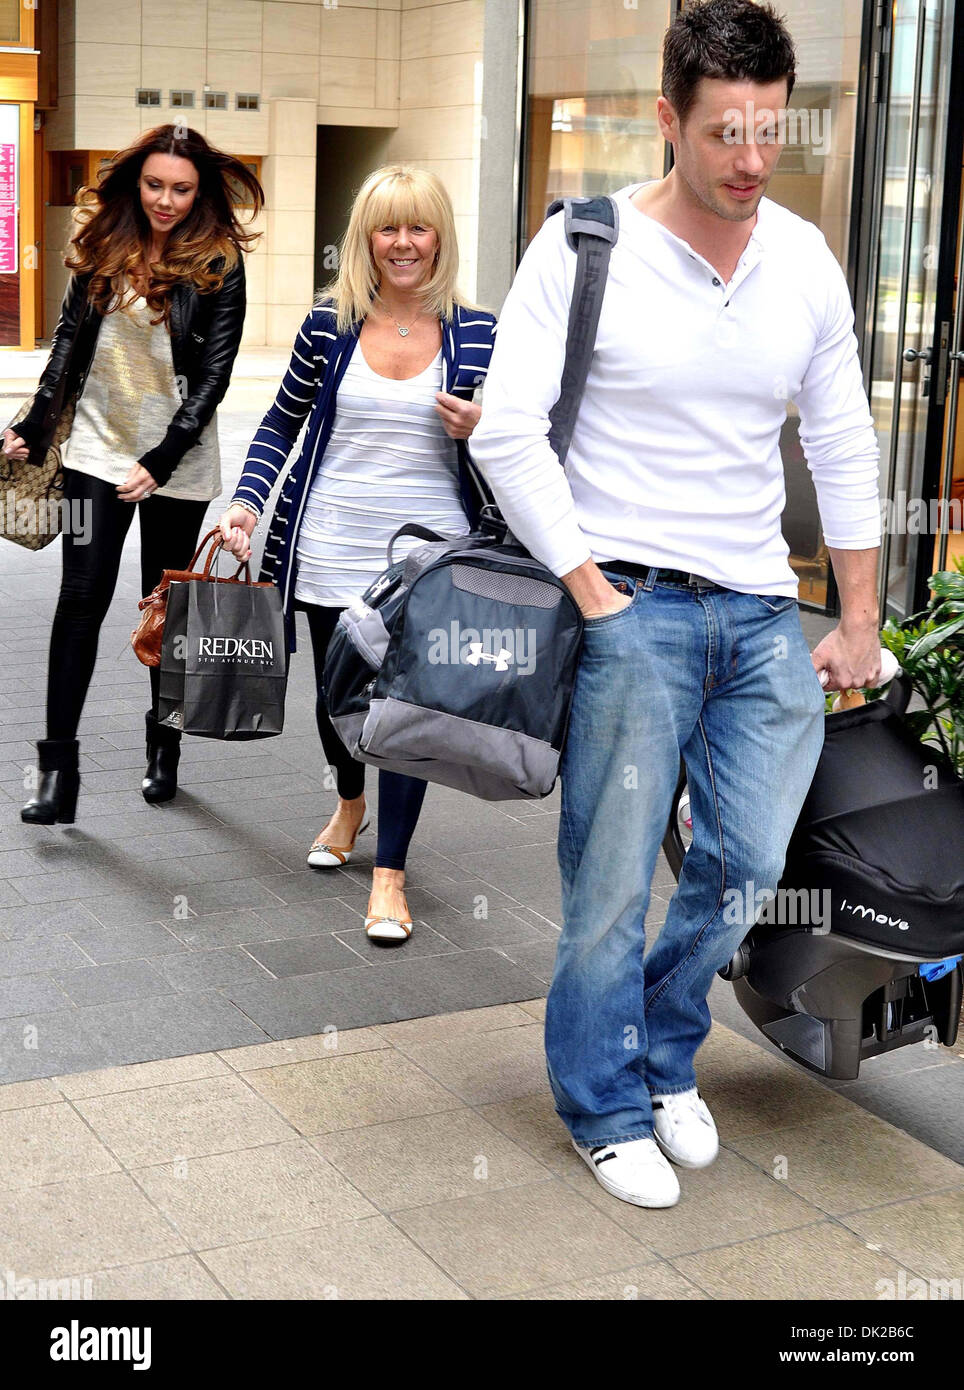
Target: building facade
x=513 y=103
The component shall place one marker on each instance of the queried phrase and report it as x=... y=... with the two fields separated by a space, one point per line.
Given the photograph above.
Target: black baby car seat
x=880 y=842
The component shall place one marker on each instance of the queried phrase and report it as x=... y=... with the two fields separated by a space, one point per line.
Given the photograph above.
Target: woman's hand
x=136 y=486
x=14 y=447
x=236 y=525
x=459 y=418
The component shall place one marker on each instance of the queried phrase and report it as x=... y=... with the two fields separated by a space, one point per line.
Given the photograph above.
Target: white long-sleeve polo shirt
x=675 y=457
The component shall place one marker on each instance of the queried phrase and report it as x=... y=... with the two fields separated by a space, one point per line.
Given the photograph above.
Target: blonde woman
x=384 y=367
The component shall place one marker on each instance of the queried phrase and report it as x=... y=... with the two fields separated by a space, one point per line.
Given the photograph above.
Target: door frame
x=867 y=198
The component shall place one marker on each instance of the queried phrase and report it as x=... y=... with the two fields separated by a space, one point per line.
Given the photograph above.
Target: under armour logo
x=475 y=654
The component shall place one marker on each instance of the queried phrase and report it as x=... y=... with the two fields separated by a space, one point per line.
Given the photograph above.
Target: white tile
x=347 y=84
x=104 y=22
x=235 y=24
x=108 y=70
x=183 y=20
x=348 y=33
x=289 y=75
x=291 y=28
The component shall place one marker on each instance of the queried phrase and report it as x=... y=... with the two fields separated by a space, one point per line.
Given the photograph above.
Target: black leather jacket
x=205 y=337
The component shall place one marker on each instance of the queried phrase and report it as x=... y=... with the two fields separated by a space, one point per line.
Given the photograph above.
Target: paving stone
x=183 y=1119
x=822 y=1261
x=40 y=953
x=84 y=1224
x=422 y=942
x=925 y=1234
x=352 y=1260
x=169 y=1026
x=306 y=955
x=410 y=1163
x=538 y=957
x=218 y=897
x=29 y=994
x=873 y=1162
x=103 y=984
x=45 y=1044
x=341 y=1092
x=651 y=1282
x=205 y=969
x=127 y=910
x=369 y=995
x=9 y=897
x=252 y=1194
x=105 y=945
x=335 y=1043
x=17 y=1095
x=181 y=1277
x=507 y=1241
x=307 y=919
x=48 y=1144
x=929 y=1103
x=109 y=1080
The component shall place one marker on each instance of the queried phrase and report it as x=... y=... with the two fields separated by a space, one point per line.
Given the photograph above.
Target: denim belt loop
x=650 y=581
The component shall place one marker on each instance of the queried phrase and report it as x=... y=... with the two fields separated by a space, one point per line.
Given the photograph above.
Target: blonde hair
x=395 y=195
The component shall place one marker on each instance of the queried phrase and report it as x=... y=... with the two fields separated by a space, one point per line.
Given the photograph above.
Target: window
x=240 y=195
x=148 y=96
x=215 y=101
x=182 y=98
x=248 y=101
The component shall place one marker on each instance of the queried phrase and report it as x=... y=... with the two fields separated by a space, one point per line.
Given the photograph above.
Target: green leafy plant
x=930 y=648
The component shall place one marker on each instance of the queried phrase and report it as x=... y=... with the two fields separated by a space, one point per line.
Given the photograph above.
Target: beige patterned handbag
x=30 y=494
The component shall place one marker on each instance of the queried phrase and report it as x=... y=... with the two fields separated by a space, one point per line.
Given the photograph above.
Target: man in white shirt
x=665 y=525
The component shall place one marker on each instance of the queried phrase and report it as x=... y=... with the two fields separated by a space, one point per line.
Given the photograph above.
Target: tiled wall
x=412 y=68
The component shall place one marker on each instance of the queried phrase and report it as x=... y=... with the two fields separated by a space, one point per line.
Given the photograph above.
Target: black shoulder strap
x=592 y=226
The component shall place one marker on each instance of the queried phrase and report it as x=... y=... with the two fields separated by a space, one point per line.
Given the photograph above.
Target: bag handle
x=586 y=225
x=415 y=528
x=212 y=556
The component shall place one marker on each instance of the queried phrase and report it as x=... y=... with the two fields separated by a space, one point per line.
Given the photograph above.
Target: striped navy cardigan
x=309 y=390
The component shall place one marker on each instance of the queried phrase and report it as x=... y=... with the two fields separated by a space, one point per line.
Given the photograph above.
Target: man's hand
x=236 y=525
x=136 y=486
x=459 y=418
x=595 y=594
x=850 y=656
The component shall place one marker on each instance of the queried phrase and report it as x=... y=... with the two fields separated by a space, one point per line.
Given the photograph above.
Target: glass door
x=906 y=378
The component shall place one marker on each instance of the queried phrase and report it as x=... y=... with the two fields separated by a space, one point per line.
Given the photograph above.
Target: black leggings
x=169 y=535
x=399 y=797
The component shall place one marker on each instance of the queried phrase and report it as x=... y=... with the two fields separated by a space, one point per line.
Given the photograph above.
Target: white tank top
x=388 y=461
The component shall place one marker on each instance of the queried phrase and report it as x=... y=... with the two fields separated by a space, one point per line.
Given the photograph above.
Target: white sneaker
x=685 y=1130
x=634 y=1171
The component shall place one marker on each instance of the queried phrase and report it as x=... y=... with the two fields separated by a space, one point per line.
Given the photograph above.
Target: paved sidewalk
x=423 y=1160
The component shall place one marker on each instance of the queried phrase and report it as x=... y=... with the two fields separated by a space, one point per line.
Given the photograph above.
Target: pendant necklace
x=403 y=332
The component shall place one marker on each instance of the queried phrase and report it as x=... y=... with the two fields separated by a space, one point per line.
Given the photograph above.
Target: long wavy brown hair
x=114 y=236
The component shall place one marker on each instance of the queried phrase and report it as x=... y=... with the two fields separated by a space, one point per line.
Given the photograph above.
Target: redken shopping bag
x=170 y=704
x=235 y=661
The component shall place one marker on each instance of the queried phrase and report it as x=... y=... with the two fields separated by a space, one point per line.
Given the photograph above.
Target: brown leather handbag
x=147 y=637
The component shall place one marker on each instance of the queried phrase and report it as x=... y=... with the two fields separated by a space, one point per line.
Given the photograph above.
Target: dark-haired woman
x=154 y=310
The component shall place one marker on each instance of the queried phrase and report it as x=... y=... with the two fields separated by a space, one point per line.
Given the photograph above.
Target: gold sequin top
x=128 y=401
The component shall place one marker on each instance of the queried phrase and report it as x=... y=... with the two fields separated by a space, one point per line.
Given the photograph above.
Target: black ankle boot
x=56 y=798
x=163 y=756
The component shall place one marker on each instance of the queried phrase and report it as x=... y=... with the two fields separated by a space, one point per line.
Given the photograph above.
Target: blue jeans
x=725 y=680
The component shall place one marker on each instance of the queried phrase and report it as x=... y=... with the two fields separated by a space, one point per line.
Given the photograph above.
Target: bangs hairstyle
x=113 y=233
x=735 y=40
x=393 y=196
